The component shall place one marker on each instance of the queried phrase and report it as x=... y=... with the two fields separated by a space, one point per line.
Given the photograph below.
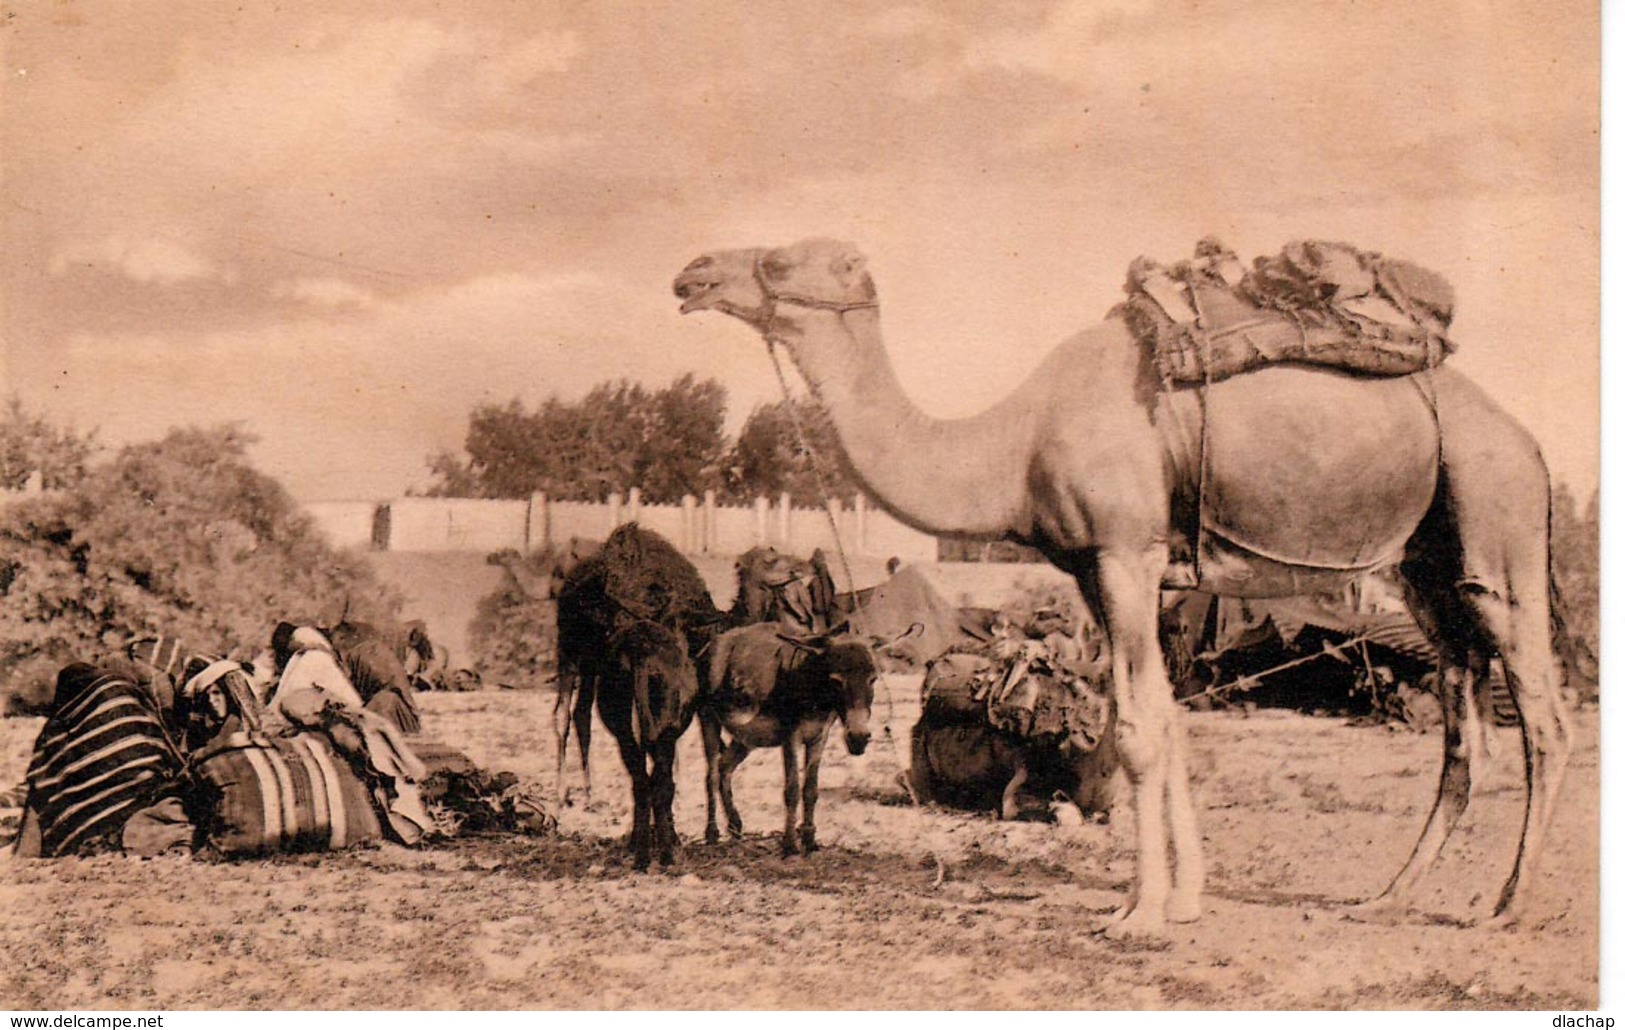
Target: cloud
x=150 y=259
x=1060 y=47
x=327 y=293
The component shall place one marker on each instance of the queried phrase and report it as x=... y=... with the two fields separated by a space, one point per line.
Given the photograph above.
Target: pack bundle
x=1316 y=302
x=1027 y=693
x=256 y=794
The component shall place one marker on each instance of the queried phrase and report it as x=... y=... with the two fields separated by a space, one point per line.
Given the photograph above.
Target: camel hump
x=1319 y=468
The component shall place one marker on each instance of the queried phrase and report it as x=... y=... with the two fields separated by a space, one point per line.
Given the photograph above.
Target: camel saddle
x=1317 y=302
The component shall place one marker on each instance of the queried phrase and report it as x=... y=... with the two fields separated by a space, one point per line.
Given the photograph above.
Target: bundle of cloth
x=104 y=766
x=1317 y=302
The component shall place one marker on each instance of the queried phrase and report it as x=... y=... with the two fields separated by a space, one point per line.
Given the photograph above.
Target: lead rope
x=834 y=527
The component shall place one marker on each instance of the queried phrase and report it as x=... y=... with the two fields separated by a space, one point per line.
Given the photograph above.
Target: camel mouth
x=695 y=291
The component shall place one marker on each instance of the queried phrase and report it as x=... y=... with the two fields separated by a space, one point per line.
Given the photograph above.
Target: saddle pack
x=1316 y=302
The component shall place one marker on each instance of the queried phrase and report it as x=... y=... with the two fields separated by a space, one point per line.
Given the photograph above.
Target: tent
x=892 y=607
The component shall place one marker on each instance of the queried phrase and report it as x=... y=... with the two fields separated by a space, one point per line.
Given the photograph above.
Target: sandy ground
x=1299 y=814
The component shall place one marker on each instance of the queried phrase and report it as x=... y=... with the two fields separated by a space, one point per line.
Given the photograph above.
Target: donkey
x=769 y=689
x=646 y=691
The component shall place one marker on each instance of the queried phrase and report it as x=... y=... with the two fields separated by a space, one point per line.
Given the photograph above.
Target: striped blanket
x=101 y=756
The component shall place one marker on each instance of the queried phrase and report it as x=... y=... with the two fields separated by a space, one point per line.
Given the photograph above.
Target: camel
x=1292 y=477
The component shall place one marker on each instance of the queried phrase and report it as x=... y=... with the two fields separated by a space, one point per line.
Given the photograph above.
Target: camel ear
x=774 y=267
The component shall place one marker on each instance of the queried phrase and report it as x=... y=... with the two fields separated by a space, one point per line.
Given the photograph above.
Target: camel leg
x=1496 y=500
x=563 y=712
x=586 y=690
x=1455 y=787
x=792 y=793
x=1521 y=622
x=663 y=791
x=1122 y=591
x=711 y=736
x=637 y=768
x=1008 y=809
x=809 y=791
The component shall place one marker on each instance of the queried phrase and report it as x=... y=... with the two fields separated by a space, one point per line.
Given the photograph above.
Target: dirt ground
x=1299 y=814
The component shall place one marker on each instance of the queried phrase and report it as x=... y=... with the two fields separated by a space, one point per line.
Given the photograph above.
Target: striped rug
x=102 y=756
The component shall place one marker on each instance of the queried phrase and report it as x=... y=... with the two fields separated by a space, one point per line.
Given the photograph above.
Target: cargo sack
x=464 y=799
x=255 y=794
x=955 y=689
x=1317 y=302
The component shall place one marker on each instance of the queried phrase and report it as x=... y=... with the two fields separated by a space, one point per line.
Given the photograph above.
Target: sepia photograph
x=954 y=505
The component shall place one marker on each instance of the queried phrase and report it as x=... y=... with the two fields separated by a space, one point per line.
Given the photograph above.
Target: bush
x=180 y=537
x=514 y=631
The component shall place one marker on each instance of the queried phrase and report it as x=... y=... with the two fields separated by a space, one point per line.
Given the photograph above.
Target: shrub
x=181 y=537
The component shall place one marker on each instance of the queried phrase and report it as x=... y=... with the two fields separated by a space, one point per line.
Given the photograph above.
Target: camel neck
x=951 y=477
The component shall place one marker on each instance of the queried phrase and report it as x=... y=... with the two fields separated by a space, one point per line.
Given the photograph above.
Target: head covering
x=71 y=682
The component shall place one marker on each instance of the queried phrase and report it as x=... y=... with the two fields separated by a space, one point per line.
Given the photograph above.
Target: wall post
x=537 y=534
x=761 y=521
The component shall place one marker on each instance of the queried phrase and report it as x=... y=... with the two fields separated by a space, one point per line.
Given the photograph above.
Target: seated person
x=314 y=692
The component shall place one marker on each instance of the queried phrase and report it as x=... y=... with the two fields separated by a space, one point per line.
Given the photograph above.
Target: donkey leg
x=731 y=760
x=792 y=794
x=809 y=792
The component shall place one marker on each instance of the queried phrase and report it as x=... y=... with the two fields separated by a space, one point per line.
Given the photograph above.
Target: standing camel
x=637 y=575
x=1304 y=476
x=647 y=690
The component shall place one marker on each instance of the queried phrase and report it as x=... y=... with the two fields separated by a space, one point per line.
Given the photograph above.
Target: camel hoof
x=1186 y=909
x=1503 y=921
x=1383 y=908
x=1138 y=925
x=809 y=842
x=736 y=831
x=787 y=847
x=712 y=836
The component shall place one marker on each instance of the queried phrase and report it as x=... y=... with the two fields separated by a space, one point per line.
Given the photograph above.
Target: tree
x=180 y=537
x=667 y=442
x=1576 y=568
x=770 y=458
x=30 y=444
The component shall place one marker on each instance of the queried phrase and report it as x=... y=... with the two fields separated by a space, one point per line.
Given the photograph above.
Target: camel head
x=752 y=285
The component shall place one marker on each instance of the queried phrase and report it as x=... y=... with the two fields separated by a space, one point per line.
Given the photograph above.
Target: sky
x=346 y=224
